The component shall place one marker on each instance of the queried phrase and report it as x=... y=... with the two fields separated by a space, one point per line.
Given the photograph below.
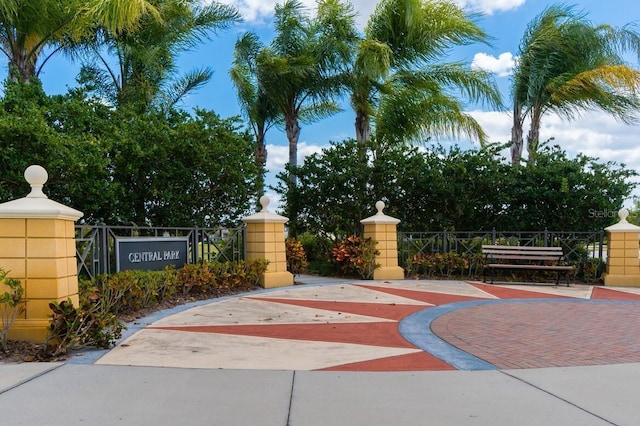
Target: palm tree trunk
x=24 y=69
x=363 y=134
x=293 y=134
x=533 y=137
x=363 y=128
x=261 y=158
x=517 y=141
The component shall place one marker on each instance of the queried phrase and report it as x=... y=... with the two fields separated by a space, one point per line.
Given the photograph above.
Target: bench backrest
x=522 y=252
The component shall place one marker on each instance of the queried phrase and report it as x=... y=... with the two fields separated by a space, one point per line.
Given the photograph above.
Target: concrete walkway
x=355 y=353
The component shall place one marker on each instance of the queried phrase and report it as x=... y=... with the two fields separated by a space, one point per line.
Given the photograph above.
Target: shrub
x=10 y=305
x=296 y=256
x=129 y=291
x=90 y=325
x=589 y=270
x=216 y=279
x=315 y=246
x=445 y=264
x=356 y=256
x=95 y=322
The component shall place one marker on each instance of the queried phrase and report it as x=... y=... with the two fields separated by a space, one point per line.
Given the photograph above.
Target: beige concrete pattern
x=348 y=292
x=248 y=311
x=198 y=341
x=162 y=348
x=459 y=288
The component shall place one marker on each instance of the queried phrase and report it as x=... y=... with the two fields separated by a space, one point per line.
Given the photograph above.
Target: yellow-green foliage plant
x=11 y=305
x=296 y=257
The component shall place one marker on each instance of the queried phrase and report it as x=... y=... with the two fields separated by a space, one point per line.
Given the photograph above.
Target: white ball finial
x=264 y=202
x=623 y=214
x=380 y=206
x=36 y=176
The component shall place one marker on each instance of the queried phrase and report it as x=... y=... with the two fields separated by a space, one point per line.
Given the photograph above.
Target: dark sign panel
x=151 y=254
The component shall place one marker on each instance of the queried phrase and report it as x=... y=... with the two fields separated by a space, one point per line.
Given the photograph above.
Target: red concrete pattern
x=513 y=293
x=423 y=296
x=419 y=361
x=383 y=334
x=609 y=294
x=545 y=334
x=391 y=311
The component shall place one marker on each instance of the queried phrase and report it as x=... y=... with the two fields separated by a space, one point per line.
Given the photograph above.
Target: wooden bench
x=526 y=258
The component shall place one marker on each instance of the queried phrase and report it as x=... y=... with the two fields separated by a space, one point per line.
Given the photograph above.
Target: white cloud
x=277 y=158
x=490 y=6
x=259 y=10
x=502 y=65
x=594 y=133
x=364 y=9
x=278 y=155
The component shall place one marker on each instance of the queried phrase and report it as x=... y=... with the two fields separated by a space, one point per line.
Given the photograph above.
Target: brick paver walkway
x=519 y=334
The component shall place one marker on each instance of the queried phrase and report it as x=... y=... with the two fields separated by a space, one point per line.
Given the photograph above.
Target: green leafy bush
x=444 y=264
x=217 y=279
x=589 y=270
x=451 y=188
x=90 y=325
x=10 y=305
x=315 y=247
x=96 y=322
x=129 y=291
x=356 y=256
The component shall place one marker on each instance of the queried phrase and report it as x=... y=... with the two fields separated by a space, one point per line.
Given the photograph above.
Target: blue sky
x=594 y=133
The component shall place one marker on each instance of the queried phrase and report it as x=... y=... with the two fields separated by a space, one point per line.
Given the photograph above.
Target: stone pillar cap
x=623 y=225
x=36 y=205
x=265 y=215
x=380 y=218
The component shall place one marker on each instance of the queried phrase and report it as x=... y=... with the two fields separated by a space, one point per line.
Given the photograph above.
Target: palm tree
x=259 y=111
x=566 y=66
x=398 y=81
x=145 y=76
x=31 y=32
x=299 y=71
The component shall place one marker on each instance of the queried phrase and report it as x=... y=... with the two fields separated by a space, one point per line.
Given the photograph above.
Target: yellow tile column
x=623 y=253
x=265 y=240
x=382 y=228
x=37 y=246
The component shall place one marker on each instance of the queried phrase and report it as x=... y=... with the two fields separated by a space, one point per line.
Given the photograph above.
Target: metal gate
x=95 y=244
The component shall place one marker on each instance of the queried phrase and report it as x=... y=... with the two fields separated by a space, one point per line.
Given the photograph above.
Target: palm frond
x=181 y=87
x=318 y=111
x=410 y=118
x=119 y=15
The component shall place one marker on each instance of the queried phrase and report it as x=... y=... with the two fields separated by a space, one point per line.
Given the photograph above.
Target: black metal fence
x=577 y=246
x=95 y=244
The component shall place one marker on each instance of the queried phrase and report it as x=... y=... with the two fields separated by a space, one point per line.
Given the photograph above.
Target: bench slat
x=520 y=257
x=536 y=267
x=521 y=248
